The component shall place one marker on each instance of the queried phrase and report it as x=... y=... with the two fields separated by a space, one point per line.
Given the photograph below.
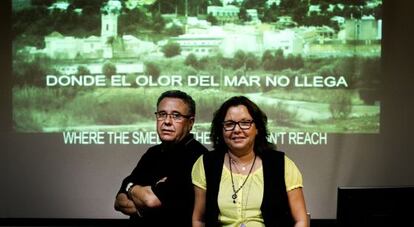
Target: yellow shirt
x=246 y=210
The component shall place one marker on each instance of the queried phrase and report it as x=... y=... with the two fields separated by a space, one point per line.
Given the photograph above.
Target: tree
x=325 y=71
x=131 y=19
x=254 y=4
x=317 y=20
x=45 y=3
x=371 y=70
x=31 y=22
x=355 y=2
x=294 y=62
x=259 y=5
x=165 y=6
x=109 y=69
x=82 y=70
x=32 y=73
x=202 y=6
x=352 y=12
x=299 y=12
x=175 y=30
x=340 y=105
x=158 y=23
x=287 y=6
x=348 y=68
x=216 y=3
x=212 y=19
x=368 y=83
x=90 y=24
x=377 y=12
x=270 y=14
x=268 y=65
x=324 y=7
x=90 y=3
x=90 y=7
x=279 y=62
x=243 y=16
x=239 y=59
x=191 y=60
x=152 y=69
x=279 y=53
x=171 y=49
x=251 y=62
x=203 y=63
x=267 y=55
x=224 y=62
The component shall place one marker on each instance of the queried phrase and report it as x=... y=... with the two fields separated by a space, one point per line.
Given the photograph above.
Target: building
x=109 y=18
x=366 y=29
x=58 y=46
x=254 y=16
x=96 y=68
x=198 y=44
x=228 y=2
x=224 y=14
x=285 y=21
x=286 y=40
x=241 y=37
x=108 y=45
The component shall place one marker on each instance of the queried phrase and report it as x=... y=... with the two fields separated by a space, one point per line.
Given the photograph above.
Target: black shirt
x=174 y=161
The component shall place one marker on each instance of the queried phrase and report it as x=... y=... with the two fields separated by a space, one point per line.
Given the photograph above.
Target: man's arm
x=143 y=197
x=133 y=197
x=137 y=199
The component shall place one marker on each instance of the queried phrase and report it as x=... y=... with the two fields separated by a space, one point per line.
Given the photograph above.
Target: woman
x=249 y=182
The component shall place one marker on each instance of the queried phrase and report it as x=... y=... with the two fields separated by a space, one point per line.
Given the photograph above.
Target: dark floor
x=28 y=222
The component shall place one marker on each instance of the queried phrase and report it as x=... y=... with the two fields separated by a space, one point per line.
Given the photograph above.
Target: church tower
x=109 y=19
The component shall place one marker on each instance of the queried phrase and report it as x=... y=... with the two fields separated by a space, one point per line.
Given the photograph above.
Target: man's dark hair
x=259 y=118
x=187 y=99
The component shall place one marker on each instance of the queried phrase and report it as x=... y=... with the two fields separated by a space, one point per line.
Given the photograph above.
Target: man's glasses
x=175 y=116
x=231 y=125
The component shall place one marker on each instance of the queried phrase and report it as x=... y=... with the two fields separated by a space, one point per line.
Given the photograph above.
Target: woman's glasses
x=231 y=125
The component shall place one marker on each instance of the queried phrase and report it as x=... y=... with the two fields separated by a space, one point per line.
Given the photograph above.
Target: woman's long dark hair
x=259 y=117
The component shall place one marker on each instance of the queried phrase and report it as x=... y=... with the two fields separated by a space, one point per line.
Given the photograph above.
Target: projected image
x=311 y=65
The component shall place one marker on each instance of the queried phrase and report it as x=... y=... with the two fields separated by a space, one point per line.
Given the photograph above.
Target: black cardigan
x=275 y=206
x=177 y=192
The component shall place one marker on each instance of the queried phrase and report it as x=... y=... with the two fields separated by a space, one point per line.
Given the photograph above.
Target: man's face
x=169 y=129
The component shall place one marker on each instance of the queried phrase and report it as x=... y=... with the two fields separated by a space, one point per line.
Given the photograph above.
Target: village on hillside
x=302 y=40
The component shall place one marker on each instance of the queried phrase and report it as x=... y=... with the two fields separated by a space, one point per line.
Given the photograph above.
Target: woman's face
x=238 y=139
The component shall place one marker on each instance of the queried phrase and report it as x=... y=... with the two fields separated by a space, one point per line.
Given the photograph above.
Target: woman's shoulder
x=273 y=153
x=280 y=154
x=213 y=158
x=214 y=154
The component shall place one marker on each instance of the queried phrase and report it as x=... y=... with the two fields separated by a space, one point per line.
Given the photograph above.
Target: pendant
x=234 y=197
x=242 y=225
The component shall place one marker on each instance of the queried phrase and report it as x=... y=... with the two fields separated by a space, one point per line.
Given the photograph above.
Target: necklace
x=237 y=164
x=234 y=196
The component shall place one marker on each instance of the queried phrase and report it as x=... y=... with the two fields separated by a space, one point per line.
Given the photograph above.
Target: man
x=159 y=190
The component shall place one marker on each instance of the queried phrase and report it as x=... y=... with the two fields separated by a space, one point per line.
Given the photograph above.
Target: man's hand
x=125 y=205
x=140 y=198
x=144 y=197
